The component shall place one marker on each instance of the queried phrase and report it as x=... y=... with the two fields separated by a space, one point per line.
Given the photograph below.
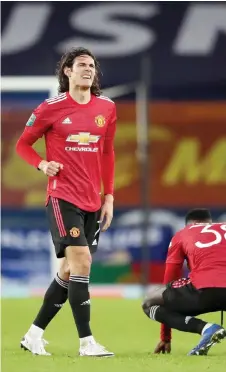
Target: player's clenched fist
x=50 y=168
x=163 y=347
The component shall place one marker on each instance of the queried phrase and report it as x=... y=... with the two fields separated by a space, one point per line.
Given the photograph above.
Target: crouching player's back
x=204 y=247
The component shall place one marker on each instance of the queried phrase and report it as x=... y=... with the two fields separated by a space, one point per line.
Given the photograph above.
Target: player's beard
x=85 y=84
x=81 y=87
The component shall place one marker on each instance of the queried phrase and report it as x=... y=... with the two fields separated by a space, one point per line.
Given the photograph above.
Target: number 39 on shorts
x=218 y=236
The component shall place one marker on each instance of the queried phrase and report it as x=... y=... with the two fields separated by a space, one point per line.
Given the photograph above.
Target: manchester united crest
x=74 y=232
x=100 y=120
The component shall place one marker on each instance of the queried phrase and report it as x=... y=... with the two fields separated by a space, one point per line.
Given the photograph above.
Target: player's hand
x=50 y=168
x=163 y=347
x=107 y=212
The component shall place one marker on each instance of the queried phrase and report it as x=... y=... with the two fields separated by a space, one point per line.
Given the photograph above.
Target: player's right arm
x=108 y=171
x=173 y=271
x=37 y=125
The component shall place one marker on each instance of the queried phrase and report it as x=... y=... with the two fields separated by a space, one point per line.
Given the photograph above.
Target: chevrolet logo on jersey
x=83 y=138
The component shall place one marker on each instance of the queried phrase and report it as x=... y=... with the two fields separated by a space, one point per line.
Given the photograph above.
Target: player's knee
x=80 y=261
x=64 y=270
x=85 y=264
x=147 y=304
x=146 y=307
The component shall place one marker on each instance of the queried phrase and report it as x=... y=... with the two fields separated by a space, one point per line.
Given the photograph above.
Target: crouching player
x=203 y=244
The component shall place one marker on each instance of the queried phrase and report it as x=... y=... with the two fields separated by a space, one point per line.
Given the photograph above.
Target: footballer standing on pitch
x=79 y=128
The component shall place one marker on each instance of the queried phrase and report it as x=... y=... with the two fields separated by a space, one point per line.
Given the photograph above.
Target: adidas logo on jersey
x=67 y=121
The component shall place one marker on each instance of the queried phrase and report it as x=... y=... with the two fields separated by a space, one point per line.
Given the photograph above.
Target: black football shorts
x=71 y=226
x=182 y=297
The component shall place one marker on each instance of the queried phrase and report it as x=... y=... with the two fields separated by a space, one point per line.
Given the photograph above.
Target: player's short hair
x=67 y=60
x=198 y=215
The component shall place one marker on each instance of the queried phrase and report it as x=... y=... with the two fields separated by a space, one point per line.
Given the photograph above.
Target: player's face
x=83 y=71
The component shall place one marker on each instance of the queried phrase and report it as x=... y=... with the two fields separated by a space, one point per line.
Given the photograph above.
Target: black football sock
x=78 y=295
x=55 y=296
x=176 y=320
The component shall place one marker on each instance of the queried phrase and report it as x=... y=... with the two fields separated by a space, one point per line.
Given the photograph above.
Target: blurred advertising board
x=26 y=246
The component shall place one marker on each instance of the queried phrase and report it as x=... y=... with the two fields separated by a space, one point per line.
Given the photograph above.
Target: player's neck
x=81 y=96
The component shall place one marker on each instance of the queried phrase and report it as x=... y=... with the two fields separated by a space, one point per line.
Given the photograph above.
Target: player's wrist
x=42 y=165
x=109 y=198
x=165 y=338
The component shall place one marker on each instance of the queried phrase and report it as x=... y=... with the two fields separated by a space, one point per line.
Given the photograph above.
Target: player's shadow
x=134 y=354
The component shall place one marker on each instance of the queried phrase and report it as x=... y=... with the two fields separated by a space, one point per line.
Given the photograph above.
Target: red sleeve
x=173 y=271
x=36 y=126
x=108 y=157
x=175 y=253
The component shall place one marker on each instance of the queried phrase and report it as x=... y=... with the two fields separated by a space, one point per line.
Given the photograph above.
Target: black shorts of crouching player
x=182 y=297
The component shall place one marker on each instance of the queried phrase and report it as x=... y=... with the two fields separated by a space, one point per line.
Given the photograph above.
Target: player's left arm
x=174 y=260
x=173 y=271
x=108 y=171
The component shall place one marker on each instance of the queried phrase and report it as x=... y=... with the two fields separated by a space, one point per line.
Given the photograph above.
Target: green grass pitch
x=118 y=324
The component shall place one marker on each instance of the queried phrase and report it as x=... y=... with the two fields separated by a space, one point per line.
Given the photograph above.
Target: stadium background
x=185 y=43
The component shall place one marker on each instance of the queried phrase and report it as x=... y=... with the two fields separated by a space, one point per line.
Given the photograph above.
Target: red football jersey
x=204 y=247
x=80 y=136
